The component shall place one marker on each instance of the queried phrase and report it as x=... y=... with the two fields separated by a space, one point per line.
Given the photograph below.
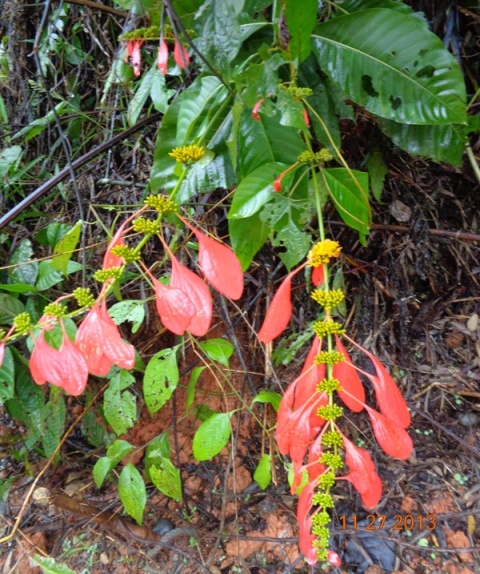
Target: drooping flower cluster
x=307 y=428
x=133 y=42
x=185 y=304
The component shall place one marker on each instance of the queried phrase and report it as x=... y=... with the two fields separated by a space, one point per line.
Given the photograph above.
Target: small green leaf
x=49 y=566
x=218 y=350
x=377 y=170
x=120 y=407
x=295 y=242
x=9 y=307
x=17 y=288
x=301 y=18
x=24 y=270
x=118 y=450
x=212 y=436
x=47 y=276
x=101 y=469
x=263 y=473
x=132 y=310
x=270 y=397
x=159 y=92
x=54 y=414
x=166 y=477
x=160 y=379
x=141 y=94
x=132 y=492
x=8 y=157
x=192 y=383
x=7 y=377
x=255 y=190
x=247 y=236
x=63 y=250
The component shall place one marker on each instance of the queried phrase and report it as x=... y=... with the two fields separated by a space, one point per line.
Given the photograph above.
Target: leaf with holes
x=160 y=379
x=132 y=492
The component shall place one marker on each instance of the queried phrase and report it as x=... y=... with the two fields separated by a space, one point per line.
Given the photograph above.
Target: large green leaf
x=265 y=141
x=349 y=192
x=441 y=143
x=300 y=18
x=255 y=190
x=247 y=237
x=23 y=269
x=392 y=65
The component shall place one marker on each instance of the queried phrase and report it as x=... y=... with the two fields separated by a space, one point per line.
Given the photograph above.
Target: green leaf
x=220 y=35
x=349 y=192
x=288 y=347
x=219 y=350
x=192 y=383
x=269 y=397
x=9 y=307
x=132 y=310
x=300 y=18
x=392 y=65
x=7 y=377
x=24 y=270
x=440 y=143
x=47 y=276
x=8 y=157
x=377 y=170
x=54 y=414
x=166 y=477
x=255 y=190
x=160 y=379
x=247 y=237
x=159 y=92
x=295 y=242
x=132 y=492
x=263 y=473
x=142 y=92
x=17 y=288
x=50 y=566
x=120 y=407
x=63 y=250
x=212 y=436
x=116 y=451
x=357 y=5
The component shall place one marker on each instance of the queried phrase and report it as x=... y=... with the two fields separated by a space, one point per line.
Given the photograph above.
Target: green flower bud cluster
x=54 y=310
x=329 y=358
x=22 y=323
x=323 y=499
x=103 y=275
x=161 y=203
x=320 y=519
x=323 y=155
x=129 y=255
x=332 y=460
x=297 y=93
x=147 y=226
x=306 y=157
x=329 y=385
x=84 y=297
x=326 y=480
x=330 y=412
x=328 y=299
x=324 y=328
x=332 y=438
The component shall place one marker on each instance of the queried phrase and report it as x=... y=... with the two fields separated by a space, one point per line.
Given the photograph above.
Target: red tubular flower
x=100 y=342
x=277 y=184
x=363 y=474
x=65 y=367
x=334 y=558
x=306 y=538
x=393 y=439
x=180 y=55
x=256 y=109
x=353 y=393
x=162 y=58
x=306 y=119
x=280 y=310
x=135 y=55
x=318 y=275
x=219 y=264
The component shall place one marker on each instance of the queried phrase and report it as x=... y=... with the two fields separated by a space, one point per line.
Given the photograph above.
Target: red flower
x=318 y=275
x=363 y=474
x=334 y=558
x=353 y=393
x=162 y=59
x=393 y=439
x=280 y=310
x=306 y=119
x=133 y=55
x=256 y=109
x=219 y=264
x=180 y=55
x=99 y=339
x=277 y=184
x=65 y=367
x=306 y=538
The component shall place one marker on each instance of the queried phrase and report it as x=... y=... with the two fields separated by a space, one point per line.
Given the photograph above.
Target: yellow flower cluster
x=322 y=252
x=324 y=328
x=161 y=203
x=187 y=153
x=143 y=225
x=328 y=299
